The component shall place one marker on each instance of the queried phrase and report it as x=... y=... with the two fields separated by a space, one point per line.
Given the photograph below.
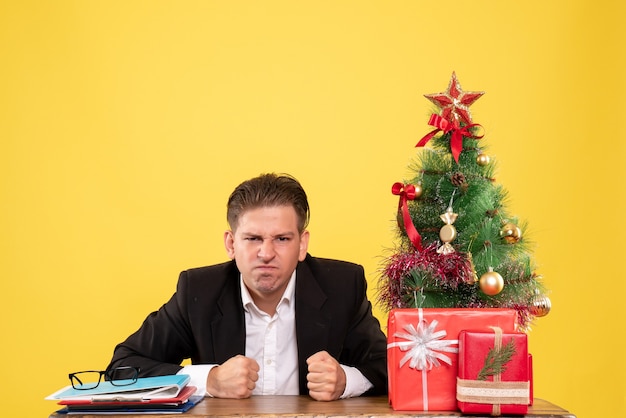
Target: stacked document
x=161 y=394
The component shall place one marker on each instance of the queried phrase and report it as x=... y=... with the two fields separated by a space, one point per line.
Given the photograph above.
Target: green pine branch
x=496 y=361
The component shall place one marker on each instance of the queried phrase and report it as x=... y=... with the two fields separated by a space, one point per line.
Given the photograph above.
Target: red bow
x=407 y=192
x=456 y=141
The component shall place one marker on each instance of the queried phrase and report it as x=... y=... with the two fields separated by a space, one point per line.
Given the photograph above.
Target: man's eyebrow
x=285 y=234
x=250 y=234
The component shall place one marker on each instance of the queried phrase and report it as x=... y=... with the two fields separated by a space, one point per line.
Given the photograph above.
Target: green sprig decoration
x=496 y=360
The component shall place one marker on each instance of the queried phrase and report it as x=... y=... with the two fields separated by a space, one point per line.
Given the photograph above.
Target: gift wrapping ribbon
x=425 y=349
x=479 y=391
x=456 y=140
x=495 y=392
x=407 y=192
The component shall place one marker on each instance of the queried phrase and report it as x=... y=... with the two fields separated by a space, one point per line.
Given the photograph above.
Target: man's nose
x=266 y=251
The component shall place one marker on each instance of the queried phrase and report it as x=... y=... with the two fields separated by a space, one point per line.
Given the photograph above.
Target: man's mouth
x=265 y=267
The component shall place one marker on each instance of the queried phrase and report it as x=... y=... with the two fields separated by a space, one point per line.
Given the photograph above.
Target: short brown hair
x=268 y=190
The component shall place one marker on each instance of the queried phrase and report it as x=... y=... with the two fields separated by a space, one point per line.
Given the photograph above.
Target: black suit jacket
x=204 y=321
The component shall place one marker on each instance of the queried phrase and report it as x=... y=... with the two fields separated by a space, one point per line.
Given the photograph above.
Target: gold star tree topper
x=454 y=102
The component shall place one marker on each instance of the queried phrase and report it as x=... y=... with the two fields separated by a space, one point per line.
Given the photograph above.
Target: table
x=305 y=407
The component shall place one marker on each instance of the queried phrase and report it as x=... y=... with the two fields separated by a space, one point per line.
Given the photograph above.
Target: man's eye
x=252 y=238
x=283 y=239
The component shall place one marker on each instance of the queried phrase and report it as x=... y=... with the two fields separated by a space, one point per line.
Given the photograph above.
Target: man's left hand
x=326 y=378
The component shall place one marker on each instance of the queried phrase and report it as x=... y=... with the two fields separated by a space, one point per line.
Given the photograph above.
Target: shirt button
x=268 y=362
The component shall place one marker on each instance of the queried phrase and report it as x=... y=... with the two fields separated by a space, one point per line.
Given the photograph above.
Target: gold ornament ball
x=510 y=233
x=541 y=306
x=418 y=190
x=482 y=159
x=491 y=283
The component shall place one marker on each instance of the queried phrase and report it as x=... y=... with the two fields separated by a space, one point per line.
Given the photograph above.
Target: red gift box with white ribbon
x=422 y=353
x=495 y=373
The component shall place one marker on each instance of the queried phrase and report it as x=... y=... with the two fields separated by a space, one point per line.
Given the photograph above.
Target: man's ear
x=229 y=244
x=304 y=245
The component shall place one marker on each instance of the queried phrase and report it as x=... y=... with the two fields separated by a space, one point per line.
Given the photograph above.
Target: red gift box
x=495 y=374
x=422 y=353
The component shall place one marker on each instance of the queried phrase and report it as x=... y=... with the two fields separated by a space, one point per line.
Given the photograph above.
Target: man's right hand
x=235 y=378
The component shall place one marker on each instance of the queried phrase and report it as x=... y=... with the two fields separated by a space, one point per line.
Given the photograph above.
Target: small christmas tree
x=458 y=247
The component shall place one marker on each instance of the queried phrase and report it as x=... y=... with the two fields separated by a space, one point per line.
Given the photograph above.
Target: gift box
x=495 y=373
x=422 y=353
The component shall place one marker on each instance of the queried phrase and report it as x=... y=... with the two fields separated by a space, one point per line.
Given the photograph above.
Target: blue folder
x=145 y=388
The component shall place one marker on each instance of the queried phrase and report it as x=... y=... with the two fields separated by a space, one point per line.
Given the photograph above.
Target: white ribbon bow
x=425 y=346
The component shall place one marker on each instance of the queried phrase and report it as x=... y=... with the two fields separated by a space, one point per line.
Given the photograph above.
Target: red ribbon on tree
x=456 y=141
x=407 y=192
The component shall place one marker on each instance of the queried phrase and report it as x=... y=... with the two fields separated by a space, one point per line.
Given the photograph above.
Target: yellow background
x=124 y=125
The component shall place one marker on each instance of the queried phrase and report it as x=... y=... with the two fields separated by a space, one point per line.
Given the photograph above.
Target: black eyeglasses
x=90 y=379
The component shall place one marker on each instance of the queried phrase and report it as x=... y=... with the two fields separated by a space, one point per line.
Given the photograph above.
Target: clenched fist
x=326 y=379
x=235 y=378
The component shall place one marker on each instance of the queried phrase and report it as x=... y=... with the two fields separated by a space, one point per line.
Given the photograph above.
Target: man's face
x=267 y=246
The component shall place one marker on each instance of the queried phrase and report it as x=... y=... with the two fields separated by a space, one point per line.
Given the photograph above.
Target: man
x=273 y=320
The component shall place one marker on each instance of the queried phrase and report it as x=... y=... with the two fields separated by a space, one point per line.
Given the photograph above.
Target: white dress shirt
x=271 y=341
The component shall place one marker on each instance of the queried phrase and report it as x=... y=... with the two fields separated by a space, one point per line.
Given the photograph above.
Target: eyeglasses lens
x=85 y=380
x=122 y=376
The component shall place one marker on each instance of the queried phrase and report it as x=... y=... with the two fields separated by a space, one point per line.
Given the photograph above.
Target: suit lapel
x=229 y=325
x=312 y=323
